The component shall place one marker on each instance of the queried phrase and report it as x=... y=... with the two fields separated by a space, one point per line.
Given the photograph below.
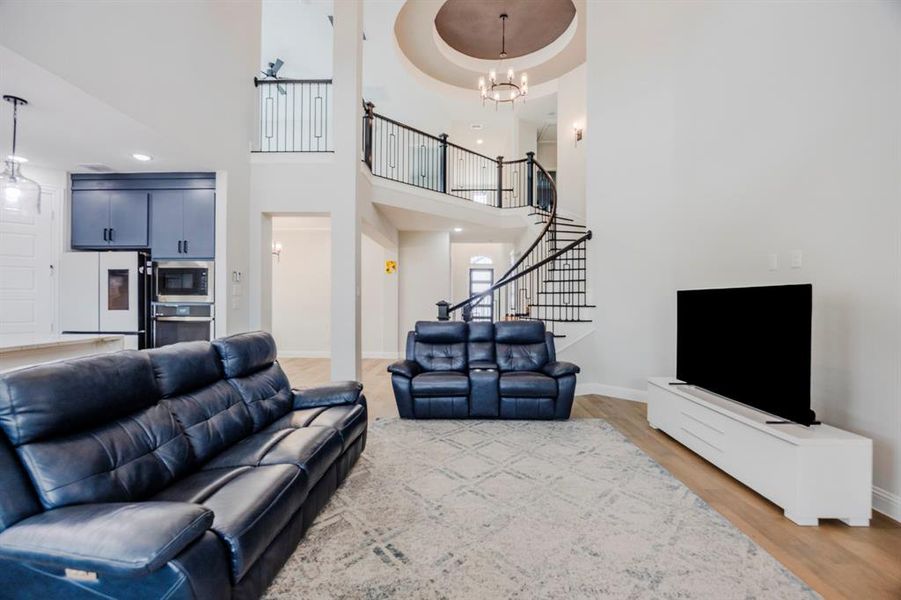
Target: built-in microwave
x=183 y=281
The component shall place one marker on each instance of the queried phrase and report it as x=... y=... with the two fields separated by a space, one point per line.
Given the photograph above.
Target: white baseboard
x=887 y=503
x=328 y=354
x=613 y=391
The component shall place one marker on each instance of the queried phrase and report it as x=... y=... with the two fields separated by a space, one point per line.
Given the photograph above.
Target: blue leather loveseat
x=506 y=370
x=190 y=471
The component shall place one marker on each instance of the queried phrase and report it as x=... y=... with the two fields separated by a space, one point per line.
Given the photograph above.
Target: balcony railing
x=295 y=115
x=398 y=152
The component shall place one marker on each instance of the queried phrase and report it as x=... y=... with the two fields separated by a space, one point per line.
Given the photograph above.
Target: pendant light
x=18 y=194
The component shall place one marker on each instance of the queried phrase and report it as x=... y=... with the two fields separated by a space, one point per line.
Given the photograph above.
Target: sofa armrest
x=332 y=394
x=407 y=368
x=559 y=368
x=485 y=365
x=111 y=539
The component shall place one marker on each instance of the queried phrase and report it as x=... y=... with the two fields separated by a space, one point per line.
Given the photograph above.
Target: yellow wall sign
x=390 y=266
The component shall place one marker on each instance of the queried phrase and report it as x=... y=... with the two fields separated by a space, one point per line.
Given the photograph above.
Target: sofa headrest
x=481 y=331
x=440 y=332
x=64 y=397
x=245 y=353
x=519 y=332
x=181 y=368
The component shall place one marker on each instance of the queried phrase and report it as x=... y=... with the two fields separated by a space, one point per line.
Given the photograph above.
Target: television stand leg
x=801 y=520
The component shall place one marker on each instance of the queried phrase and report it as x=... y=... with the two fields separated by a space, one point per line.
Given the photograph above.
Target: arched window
x=480 y=260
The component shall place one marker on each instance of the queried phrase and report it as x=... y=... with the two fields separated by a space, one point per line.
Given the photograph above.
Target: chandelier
x=498 y=90
x=18 y=194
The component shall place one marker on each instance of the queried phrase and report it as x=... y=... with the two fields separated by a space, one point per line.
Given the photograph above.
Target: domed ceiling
x=473 y=28
x=457 y=41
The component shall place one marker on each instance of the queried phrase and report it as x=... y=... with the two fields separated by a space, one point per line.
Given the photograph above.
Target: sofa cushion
x=526 y=408
x=312 y=449
x=440 y=346
x=253 y=508
x=110 y=538
x=296 y=418
x=441 y=407
x=199 y=486
x=441 y=383
x=481 y=342
x=267 y=394
x=184 y=367
x=60 y=398
x=214 y=418
x=125 y=460
x=527 y=384
x=349 y=420
x=519 y=332
x=245 y=353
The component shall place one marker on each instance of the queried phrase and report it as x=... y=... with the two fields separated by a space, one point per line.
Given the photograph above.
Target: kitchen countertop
x=17 y=342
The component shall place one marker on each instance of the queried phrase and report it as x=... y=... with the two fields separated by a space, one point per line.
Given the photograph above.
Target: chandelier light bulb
x=12 y=195
x=481 y=83
x=492 y=76
x=497 y=95
x=510 y=75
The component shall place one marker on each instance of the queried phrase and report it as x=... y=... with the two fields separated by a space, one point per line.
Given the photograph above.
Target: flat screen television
x=750 y=344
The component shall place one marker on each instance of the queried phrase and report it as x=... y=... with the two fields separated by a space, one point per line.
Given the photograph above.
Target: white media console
x=816 y=472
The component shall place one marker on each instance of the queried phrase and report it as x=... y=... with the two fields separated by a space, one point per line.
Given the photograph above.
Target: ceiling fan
x=272 y=73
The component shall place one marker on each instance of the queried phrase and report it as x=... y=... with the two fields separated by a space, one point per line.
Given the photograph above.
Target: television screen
x=749 y=344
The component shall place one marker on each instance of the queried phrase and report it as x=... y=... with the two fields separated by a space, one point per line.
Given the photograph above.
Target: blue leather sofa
x=190 y=471
x=506 y=370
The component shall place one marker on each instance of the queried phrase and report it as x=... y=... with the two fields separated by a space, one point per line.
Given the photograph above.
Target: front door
x=479 y=281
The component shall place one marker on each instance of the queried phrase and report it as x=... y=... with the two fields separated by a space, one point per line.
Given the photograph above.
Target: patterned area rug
x=522 y=509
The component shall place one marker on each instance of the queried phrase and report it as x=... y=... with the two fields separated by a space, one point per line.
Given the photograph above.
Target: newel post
x=442 y=173
x=500 y=181
x=367 y=133
x=530 y=178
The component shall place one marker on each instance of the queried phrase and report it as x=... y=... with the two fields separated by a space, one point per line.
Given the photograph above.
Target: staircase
x=548 y=282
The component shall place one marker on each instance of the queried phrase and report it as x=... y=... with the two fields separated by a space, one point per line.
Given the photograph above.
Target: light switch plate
x=773 y=261
x=797 y=259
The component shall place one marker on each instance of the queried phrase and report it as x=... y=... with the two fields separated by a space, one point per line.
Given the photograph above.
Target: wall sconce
x=277 y=251
x=577 y=131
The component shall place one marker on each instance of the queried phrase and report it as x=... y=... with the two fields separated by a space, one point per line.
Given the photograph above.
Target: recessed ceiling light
x=458 y=229
x=480 y=142
x=141 y=157
x=17 y=159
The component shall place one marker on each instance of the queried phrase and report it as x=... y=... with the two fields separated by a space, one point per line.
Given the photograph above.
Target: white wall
x=723 y=132
x=300 y=34
x=571 y=110
x=424 y=269
x=301 y=294
x=547 y=155
x=379 y=299
x=301 y=291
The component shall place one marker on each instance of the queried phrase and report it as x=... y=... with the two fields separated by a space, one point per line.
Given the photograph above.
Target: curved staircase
x=548 y=282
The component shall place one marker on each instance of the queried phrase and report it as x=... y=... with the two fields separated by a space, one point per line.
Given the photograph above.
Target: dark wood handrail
x=503 y=282
x=258 y=82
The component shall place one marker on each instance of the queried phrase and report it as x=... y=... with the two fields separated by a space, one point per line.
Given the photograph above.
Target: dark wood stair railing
x=548 y=281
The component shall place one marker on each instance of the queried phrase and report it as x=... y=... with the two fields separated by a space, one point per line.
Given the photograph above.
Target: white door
x=26 y=269
x=118 y=287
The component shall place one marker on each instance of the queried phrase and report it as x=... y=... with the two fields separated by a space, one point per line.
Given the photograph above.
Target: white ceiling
x=63 y=127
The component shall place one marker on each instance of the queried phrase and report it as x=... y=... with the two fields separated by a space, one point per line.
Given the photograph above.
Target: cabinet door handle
x=186 y=246
x=105 y=234
x=179 y=246
x=112 y=235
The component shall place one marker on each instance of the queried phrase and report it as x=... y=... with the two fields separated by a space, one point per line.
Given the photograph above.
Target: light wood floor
x=836 y=560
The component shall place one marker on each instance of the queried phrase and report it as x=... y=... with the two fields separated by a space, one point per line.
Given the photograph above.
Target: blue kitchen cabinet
x=104 y=219
x=183 y=223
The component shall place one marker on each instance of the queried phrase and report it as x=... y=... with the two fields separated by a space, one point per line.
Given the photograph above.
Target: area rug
x=522 y=509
